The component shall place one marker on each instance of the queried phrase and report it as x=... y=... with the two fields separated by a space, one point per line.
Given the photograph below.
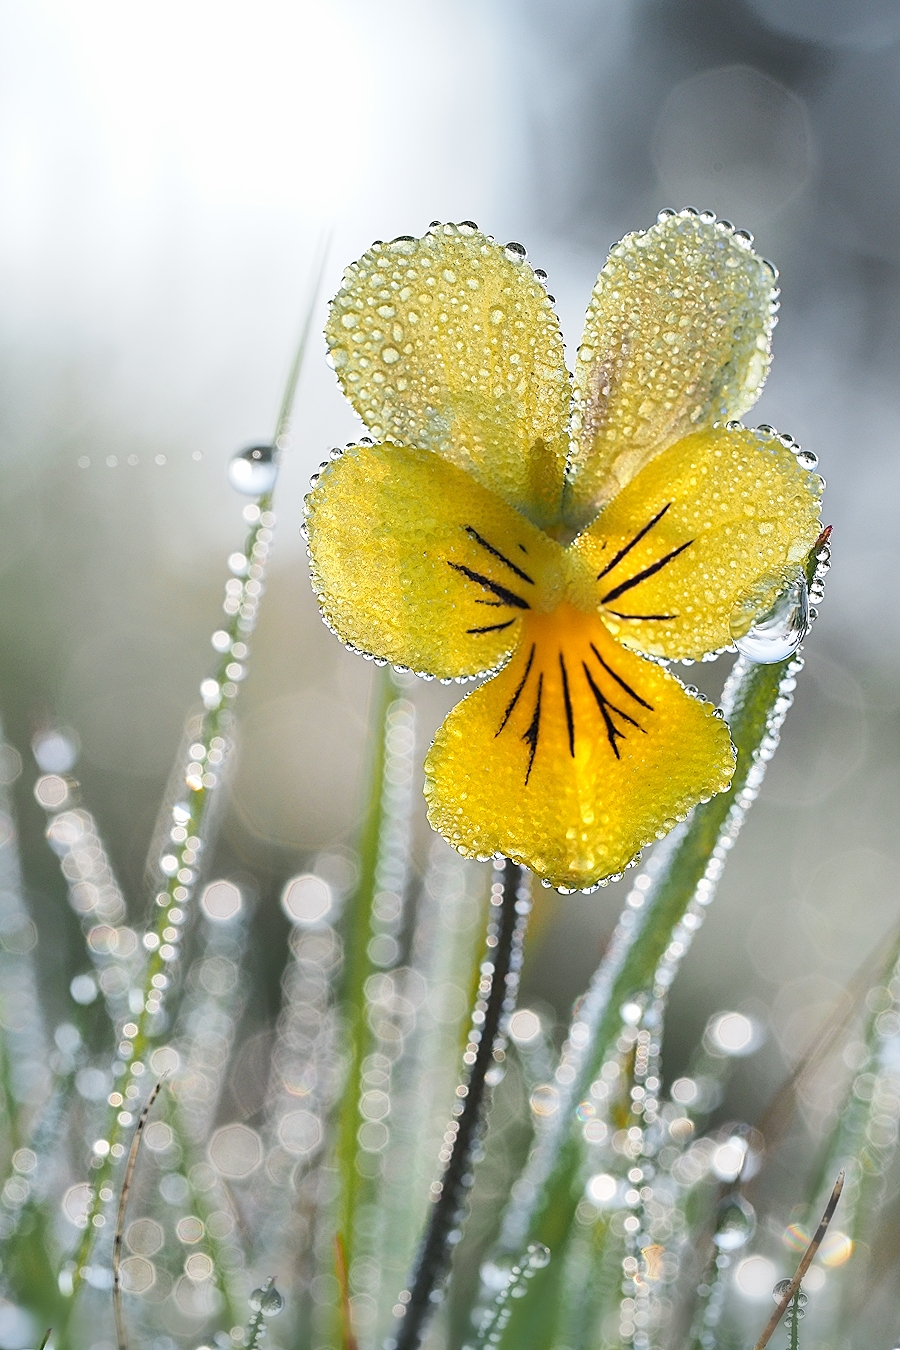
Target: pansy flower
x=564 y=538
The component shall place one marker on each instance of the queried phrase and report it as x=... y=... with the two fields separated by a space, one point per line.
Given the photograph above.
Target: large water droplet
x=778 y=634
x=55 y=750
x=778 y=1294
x=781 y=1289
x=538 y=1256
x=735 y=1223
x=253 y=471
x=271 y=1303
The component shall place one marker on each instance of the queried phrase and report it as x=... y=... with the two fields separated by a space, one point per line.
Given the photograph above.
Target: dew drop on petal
x=778 y=634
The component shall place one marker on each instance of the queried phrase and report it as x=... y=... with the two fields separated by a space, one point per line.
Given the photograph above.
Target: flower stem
x=510 y=895
x=358 y=964
x=687 y=866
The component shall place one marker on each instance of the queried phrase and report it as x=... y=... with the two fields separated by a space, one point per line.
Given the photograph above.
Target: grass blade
x=120 y=1218
x=693 y=858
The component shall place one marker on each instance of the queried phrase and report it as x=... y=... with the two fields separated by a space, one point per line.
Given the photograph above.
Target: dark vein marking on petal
x=515 y=698
x=492 y=627
x=618 y=679
x=619 y=615
x=606 y=710
x=495 y=552
x=534 y=729
x=507 y=597
x=636 y=540
x=647 y=572
x=570 y=720
x=523 y=548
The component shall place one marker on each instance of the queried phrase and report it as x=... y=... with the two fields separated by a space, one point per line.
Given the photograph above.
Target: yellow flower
x=501 y=522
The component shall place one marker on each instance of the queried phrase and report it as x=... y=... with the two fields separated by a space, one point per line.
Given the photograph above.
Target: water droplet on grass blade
x=267 y=1300
x=253 y=471
x=778 y=634
x=735 y=1223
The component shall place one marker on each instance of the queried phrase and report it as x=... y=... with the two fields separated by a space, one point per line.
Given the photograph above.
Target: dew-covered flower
x=566 y=538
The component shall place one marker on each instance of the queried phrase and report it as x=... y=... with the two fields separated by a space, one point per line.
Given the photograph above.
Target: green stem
x=795 y=1321
x=193 y=818
x=358 y=966
x=201 y=1206
x=694 y=856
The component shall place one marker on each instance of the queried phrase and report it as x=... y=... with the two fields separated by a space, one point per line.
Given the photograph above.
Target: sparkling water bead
x=778 y=634
x=255 y=1300
x=271 y=1302
x=253 y=471
x=735 y=1223
x=779 y=1292
x=538 y=1256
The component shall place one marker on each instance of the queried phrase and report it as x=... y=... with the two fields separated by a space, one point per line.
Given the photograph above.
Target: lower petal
x=575 y=756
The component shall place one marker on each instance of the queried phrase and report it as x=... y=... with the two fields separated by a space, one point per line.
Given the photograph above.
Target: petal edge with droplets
x=416 y=563
x=450 y=343
x=702 y=541
x=676 y=338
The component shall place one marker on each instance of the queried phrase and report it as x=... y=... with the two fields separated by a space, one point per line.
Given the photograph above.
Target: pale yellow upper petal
x=449 y=343
x=676 y=338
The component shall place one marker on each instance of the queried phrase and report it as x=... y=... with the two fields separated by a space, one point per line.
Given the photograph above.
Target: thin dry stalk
x=120 y=1218
x=804 y=1265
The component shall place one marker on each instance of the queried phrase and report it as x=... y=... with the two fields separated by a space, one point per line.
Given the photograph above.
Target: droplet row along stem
x=179 y=864
x=685 y=869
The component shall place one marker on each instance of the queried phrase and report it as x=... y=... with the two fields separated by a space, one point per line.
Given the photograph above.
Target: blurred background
x=167 y=174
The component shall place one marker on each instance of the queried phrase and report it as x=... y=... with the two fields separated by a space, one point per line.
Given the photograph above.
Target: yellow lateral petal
x=449 y=343
x=574 y=757
x=716 y=526
x=415 y=562
x=676 y=338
